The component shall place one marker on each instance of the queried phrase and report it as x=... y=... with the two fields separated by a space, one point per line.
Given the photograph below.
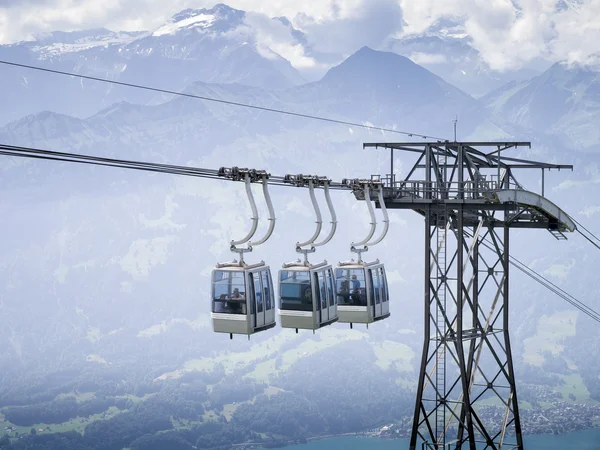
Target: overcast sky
x=509 y=33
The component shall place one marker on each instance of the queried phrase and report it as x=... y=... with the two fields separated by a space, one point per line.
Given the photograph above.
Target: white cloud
x=590 y=211
x=274 y=36
x=508 y=37
x=508 y=33
x=591 y=170
x=560 y=271
x=333 y=24
x=295 y=205
x=427 y=58
x=511 y=33
x=21 y=19
x=352 y=25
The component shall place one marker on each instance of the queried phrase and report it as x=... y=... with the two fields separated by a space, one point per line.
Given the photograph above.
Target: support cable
x=595 y=315
x=34 y=153
x=591 y=237
x=27 y=152
x=558 y=291
x=590 y=240
x=216 y=100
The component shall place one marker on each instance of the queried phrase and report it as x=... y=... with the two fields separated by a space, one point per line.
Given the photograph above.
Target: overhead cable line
x=549 y=285
x=212 y=99
x=591 y=237
x=554 y=288
x=27 y=152
x=34 y=153
x=590 y=240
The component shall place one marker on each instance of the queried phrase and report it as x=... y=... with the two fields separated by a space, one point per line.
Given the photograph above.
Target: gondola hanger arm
x=333 y=217
x=386 y=219
x=254 y=217
x=367 y=192
x=271 y=214
x=319 y=221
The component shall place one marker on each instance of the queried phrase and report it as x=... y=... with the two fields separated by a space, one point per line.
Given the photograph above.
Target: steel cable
x=212 y=99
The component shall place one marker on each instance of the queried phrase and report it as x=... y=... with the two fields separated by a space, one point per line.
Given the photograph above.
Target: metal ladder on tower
x=558 y=235
x=441 y=331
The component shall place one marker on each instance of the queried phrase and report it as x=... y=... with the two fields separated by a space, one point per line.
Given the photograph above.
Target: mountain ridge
x=181 y=55
x=564 y=100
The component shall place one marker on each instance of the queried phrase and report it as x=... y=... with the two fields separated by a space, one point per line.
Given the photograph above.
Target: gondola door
x=259 y=299
x=322 y=296
x=268 y=299
x=377 y=291
x=316 y=296
x=331 y=299
x=385 y=295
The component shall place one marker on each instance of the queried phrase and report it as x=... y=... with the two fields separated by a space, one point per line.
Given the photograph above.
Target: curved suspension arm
x=333 y=218
x=386 y=219
x=271 y=215
x=313 y=199
x=254 y=214
x=373 y=220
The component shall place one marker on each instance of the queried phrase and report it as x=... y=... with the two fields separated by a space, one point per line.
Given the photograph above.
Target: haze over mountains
x=215 y=45
x=223 y=45
x=107 y=271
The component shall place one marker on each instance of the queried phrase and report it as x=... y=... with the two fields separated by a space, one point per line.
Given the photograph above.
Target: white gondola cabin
x=307 y=296
x=242 y=299
x=306 y=291
x=362 y=292
x=361 y=287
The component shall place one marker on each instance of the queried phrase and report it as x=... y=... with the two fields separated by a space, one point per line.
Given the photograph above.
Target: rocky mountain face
x=447 y=50
x=210 y=45
x=564 y=101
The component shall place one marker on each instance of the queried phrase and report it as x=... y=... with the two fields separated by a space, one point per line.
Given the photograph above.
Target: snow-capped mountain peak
x=200 y=20
x=52 y=44
x=448 y=27
x=219 y=18
x=216 y=45
x=564 y=5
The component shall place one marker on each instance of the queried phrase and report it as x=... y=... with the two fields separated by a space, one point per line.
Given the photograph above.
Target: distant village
x=557 y=418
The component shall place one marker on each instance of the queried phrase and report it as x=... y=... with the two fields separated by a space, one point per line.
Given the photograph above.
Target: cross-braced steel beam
x=469 y=198
x=466 y=365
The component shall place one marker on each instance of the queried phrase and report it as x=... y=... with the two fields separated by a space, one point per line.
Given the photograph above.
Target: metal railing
x=420 y=189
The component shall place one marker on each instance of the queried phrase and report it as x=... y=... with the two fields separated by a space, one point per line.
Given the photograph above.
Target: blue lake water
x=580 y=440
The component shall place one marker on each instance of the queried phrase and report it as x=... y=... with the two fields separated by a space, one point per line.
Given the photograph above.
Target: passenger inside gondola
x=307 y=297
x=229 y=293
x=235 y=306
x=344 y=292
x=295 y=291
x=352 y=289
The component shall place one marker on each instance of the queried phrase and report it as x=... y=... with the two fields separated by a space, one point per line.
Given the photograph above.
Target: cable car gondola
x=243 y=299
x=307 y=298
x=362 y=292
x=361 y=287
x=306 y=291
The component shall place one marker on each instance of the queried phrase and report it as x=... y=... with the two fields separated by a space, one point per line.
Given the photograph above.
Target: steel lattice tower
x=470 y=200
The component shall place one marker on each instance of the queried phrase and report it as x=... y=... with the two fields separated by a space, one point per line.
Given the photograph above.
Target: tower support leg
x=466 y=379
